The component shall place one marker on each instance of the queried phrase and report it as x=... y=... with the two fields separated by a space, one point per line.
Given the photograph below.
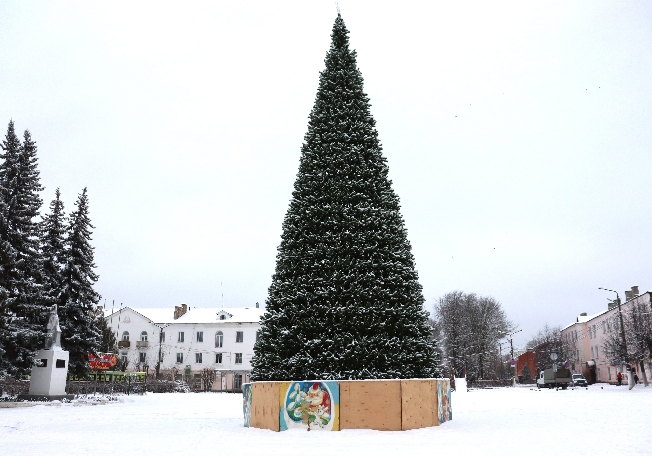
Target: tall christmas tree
x=345 y=301
x=80 y=334
x=22 y=312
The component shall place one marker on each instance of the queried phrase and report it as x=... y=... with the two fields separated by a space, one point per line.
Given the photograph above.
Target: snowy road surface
x=592 y=422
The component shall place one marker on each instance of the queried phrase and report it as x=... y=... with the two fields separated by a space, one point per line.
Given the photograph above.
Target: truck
x=549 y=378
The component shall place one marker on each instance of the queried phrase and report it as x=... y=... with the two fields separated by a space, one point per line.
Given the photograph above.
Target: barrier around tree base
x=384 y=405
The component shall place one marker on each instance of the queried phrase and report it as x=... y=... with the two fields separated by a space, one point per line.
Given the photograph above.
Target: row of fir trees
x=45 y=260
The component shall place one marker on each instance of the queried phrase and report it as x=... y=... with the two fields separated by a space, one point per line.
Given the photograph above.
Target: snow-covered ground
x=520 y=420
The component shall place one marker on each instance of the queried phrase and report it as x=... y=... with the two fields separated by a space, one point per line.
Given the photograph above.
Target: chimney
x=628 y=295
x=257 y=306
x=583 y=314
x=180 y=310
x=634 y=291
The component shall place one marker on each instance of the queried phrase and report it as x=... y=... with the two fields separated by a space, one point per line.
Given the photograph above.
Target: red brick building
x=529 y=358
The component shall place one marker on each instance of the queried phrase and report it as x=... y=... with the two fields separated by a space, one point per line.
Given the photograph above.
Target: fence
x=10 y=388
x=496 y=383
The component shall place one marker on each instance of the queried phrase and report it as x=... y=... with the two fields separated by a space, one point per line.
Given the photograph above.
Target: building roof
x=210 y=315
x=586 y=318
x=160 y=315
x=165 y=315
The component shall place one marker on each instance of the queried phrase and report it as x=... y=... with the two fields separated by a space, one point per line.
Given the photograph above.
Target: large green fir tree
x=345 y=301
x=80 y=334
x=22 y=310
x=53 y=251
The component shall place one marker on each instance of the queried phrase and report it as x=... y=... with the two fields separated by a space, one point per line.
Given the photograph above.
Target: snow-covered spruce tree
x=22 y=312
x=53 y=252
x=526 y=375
x=80 y=334
x=345 y=301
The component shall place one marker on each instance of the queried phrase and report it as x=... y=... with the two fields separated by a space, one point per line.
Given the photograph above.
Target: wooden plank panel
x=373 y=404
x=417 y=405
x=265 y=405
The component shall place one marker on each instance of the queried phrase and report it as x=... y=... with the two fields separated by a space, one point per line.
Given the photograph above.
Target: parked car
x=579 y=380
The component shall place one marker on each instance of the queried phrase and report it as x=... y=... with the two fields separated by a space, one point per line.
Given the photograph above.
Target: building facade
x=587 y=337
x=189 y=342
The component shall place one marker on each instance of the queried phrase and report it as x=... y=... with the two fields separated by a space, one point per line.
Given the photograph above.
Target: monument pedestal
x=48 y=381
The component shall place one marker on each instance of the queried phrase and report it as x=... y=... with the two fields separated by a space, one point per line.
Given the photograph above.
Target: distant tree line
x=44 y=260
x=469 y=328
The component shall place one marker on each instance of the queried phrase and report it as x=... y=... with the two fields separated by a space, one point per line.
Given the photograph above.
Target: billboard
x=103 y=362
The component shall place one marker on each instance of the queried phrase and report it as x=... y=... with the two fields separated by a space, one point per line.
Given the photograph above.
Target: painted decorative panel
x=444 y=401
x=246 y=403
x=310 y=406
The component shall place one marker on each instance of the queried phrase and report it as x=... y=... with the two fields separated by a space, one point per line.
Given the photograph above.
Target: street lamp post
x=622 y=324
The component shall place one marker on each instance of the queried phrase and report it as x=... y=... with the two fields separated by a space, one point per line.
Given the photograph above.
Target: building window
x=239 y=336
x=238 y=358
x=198 y=358
x=218 y=358
x=200 y=336
x=597 y=353
x=179 y=358
x=590 y=333
x=125 y=336
x=598 y=374
x=143 y=336
x=592 y=355
x=219 y=339
x=180 y=339
x=163 y=336
x=237 y=381
x=222 y=317
x=594 y=332
x=609 y=373
x=123 y=357
x=141 y=357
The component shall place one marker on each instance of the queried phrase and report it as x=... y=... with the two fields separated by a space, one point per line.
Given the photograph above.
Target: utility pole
x=160 y=350
x=511 y=346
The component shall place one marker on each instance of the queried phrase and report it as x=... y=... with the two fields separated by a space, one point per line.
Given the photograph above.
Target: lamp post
x=622 y=324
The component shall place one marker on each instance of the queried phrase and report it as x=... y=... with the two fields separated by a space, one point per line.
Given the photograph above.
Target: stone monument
x=48 y=376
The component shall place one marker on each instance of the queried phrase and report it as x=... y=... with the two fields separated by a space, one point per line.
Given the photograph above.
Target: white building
x=188 y=341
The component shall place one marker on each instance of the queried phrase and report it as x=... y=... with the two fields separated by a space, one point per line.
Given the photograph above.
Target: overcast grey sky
x=517 y=134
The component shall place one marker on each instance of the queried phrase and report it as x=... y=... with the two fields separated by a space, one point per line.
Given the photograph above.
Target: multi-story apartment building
x=188 y=341
x=586 y=338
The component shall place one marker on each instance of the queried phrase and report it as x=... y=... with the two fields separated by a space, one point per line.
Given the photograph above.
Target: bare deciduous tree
x=469 y=327
x=547 y=341
x=208 y=376
x=637 y=322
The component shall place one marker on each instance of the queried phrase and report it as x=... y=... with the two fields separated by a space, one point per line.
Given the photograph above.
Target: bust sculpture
x=53 y=330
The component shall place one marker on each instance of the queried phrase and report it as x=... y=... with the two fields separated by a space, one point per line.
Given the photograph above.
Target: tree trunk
x=643 y=374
